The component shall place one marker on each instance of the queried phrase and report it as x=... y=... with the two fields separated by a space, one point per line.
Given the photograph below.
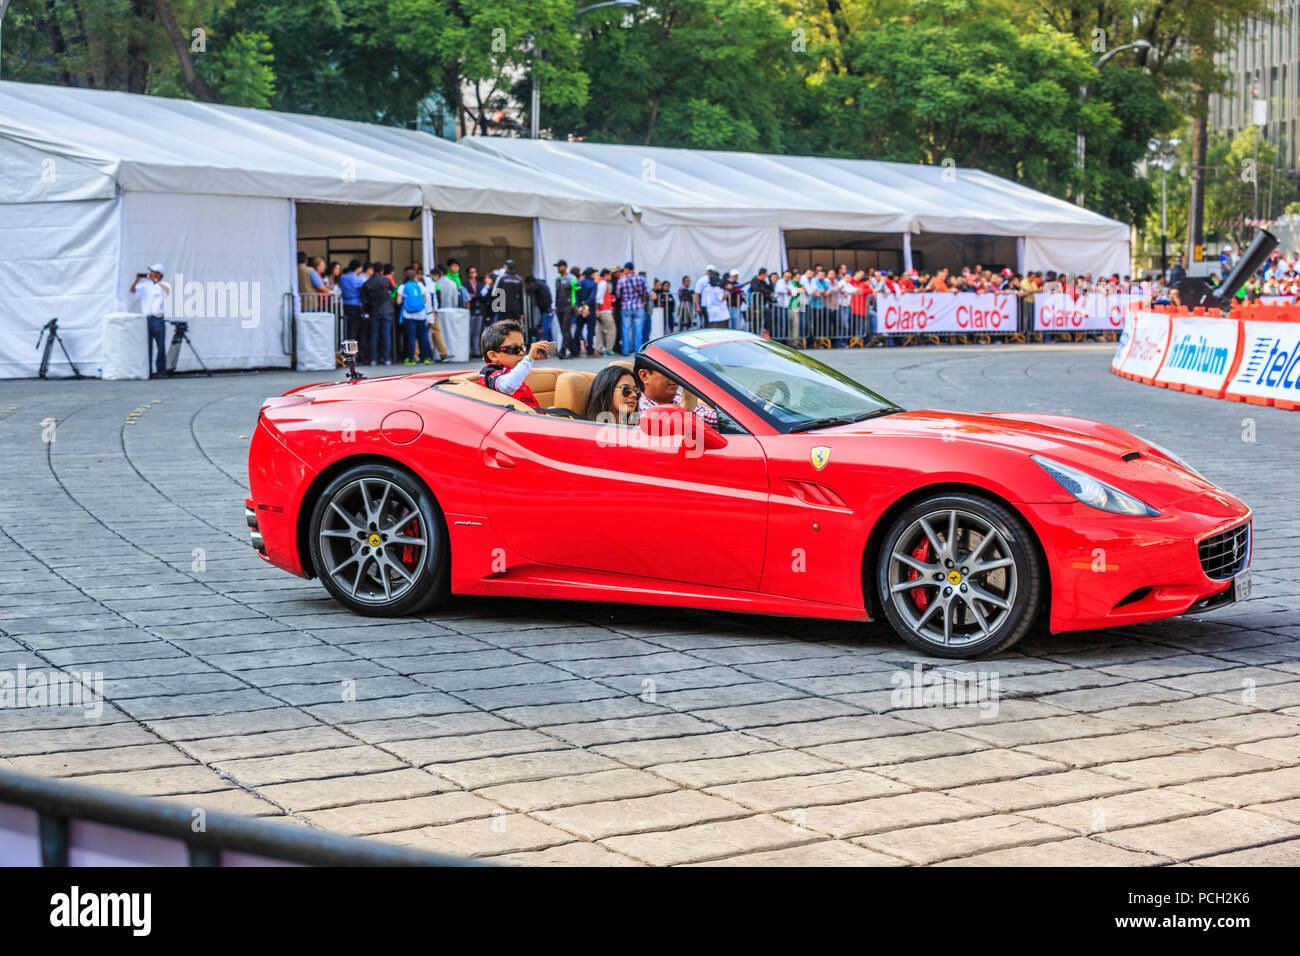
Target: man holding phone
x=153 y=303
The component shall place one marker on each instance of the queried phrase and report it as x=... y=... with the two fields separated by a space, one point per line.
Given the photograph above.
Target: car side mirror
x=689 y=434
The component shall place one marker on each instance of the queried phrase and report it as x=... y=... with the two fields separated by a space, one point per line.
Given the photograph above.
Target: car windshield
x=791 y=390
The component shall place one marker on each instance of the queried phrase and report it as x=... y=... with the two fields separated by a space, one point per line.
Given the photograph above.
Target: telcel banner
x=1270 y=364
x=1093 y=312
x=913 y=312
x=1202 y=350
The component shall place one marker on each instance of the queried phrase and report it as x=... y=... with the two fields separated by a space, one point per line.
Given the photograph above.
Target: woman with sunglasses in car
x=613 y=396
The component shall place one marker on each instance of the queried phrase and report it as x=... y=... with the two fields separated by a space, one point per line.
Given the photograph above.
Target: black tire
x=950 y=607
x=373 y=527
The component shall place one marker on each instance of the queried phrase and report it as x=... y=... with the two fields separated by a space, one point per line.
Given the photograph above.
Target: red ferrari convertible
x=812 y=496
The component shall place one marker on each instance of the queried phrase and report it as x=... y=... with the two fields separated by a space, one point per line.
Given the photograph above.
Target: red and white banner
x=1148 y=343
x=1277 y=300
x=1093 y=312
x=912 y=312
x=1270 y=365
x=1202 y=354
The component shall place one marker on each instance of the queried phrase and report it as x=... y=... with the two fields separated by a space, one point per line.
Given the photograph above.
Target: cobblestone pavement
x=532 y=732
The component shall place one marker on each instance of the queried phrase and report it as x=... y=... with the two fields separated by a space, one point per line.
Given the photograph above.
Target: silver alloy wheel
x=952 y=577
x=373 y=540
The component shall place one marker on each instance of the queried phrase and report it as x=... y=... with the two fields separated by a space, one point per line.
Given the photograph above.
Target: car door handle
x=498 y=459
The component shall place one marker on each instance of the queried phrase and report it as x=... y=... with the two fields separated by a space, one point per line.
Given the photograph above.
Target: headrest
x=572 y=389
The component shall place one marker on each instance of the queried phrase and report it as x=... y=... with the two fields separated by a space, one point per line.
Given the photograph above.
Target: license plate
x=1241 y=586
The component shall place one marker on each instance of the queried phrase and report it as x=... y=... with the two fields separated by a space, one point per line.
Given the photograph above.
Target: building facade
x=1265 y=64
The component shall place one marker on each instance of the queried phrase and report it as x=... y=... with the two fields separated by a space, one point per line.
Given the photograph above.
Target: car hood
x=1104 y=451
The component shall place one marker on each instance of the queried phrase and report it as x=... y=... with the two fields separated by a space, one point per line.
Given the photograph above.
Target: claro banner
x=1270 y=365
x=1202 y=354
x=1094 y=312
x=1147 y=344
x=913 y=312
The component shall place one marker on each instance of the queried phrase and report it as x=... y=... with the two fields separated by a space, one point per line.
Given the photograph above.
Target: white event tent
x=733 y=209
x=96 y=185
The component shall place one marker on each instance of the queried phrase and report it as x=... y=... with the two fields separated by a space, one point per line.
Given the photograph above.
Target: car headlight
x=1174 y=458
x=1094 y=492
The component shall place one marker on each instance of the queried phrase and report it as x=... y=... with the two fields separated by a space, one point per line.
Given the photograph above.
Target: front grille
x=1226 y=553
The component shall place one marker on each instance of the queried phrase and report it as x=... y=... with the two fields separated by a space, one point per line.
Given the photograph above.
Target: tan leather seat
x=470 y=388
x=542 y=381
x=572 y=389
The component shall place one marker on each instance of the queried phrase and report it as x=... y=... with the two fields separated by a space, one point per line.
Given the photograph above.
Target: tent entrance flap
x=398 y=234
x=341 y=233
x=828 y=248
x=930 y=251
x=484 y=242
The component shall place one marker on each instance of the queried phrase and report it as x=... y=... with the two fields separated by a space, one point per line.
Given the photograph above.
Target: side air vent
x=813 y=493
x=1133 y=598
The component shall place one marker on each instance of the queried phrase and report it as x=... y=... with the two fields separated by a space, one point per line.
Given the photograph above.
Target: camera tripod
x=52 y=327
x=182 y=334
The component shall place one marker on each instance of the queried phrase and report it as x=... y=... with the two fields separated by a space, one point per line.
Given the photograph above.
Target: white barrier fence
x=930 y=312
x=1248 y=361
x=1093 y=312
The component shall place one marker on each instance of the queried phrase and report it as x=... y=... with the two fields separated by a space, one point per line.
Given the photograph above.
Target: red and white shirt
x=703 y=412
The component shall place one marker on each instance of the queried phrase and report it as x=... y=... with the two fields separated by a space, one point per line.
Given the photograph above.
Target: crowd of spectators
x=597 y=311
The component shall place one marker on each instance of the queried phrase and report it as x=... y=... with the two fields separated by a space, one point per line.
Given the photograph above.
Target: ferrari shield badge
x=821 y=455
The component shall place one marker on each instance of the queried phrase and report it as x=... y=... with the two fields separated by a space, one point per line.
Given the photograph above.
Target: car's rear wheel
x=379 y=541
x=960 y=576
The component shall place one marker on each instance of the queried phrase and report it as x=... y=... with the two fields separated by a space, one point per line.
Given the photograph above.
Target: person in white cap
x=700 y=283
x=153 y=303
x=1225 y=260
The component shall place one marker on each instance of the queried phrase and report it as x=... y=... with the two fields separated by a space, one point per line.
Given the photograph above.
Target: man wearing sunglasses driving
x=507 y=365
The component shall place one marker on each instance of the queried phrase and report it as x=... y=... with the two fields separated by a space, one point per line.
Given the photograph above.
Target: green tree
x=718 y=74
x=1237 y=168
x=244 y=67
x=1186 y=37
x=481 y=45
x=968 y=83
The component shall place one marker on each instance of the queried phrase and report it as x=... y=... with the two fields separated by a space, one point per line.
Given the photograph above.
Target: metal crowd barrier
x=815 y=324
x=51 y=822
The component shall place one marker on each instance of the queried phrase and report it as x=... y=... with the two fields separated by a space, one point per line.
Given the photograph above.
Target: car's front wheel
x=379 y=542
x=960 y=576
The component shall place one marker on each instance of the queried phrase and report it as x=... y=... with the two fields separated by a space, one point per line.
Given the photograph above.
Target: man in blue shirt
x=350 y=286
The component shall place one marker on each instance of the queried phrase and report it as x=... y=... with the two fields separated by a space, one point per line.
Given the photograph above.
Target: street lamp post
x=535 y=104
x=1079 y=139
x=1164 y=156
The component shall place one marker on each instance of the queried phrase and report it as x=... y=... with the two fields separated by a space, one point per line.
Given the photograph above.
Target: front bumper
x=1109 y=570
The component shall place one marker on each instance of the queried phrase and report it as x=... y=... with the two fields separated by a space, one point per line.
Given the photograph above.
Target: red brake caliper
x=920 y=596
x=408 y=551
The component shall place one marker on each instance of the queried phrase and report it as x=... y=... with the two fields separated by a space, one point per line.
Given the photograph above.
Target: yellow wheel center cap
x=375 y=541
x=954 y=577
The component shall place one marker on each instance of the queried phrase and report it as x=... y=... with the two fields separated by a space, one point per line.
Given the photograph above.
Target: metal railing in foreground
x=57 y=823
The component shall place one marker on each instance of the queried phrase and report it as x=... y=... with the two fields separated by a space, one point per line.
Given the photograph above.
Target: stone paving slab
x=538 y=733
